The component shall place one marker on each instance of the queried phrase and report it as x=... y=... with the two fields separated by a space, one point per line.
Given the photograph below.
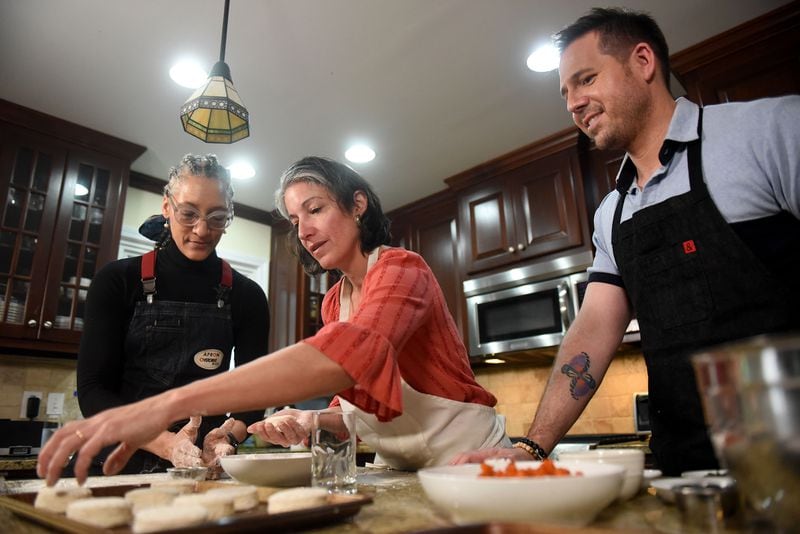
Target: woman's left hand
x=217 y=445
x=130 y=426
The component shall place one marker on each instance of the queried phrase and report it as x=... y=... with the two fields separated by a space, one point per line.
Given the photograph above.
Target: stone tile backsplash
x=47 y=375
x=518 y=390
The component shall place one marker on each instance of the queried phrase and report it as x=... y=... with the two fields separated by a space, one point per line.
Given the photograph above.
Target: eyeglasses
x=188 y=216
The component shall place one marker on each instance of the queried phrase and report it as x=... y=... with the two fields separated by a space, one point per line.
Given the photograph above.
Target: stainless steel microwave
x=524 y=307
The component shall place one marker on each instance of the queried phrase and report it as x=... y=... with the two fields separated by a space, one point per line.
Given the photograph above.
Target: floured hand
x=184 y=452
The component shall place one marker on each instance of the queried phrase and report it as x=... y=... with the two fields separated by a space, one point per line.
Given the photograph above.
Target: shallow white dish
x=664 y=486
x=705 y=473
x=648 y=475
x=270 y=469
x=564 y=500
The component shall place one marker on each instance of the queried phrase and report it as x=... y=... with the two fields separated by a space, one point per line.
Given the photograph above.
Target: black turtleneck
x=110 y=305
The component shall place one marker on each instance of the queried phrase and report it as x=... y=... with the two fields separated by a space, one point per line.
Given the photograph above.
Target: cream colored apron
x=431 y=429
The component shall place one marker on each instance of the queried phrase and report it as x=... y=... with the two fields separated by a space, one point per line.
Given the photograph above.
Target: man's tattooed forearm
x=581 y=382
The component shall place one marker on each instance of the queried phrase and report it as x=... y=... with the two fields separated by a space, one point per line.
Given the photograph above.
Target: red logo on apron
x=688 y=247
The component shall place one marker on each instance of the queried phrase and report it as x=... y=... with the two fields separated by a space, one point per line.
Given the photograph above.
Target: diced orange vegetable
x=547 y=468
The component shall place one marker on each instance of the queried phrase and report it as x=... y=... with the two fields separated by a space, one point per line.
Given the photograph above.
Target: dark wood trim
x=147 y=183
x=69 y=132
x=151 y=184
x=502 y=164
x=434 y=199
x=784 y=20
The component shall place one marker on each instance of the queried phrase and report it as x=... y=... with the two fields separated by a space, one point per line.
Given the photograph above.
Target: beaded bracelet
x=531 y=447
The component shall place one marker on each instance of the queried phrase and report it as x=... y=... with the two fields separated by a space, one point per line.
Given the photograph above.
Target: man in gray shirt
x=700 y=239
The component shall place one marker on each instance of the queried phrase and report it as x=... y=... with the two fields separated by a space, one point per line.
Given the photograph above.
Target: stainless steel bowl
x=751 y=400
x=188 y=473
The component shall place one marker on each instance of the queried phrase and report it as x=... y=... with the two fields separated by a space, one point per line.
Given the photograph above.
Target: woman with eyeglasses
x=389 y=350
x=171 y=317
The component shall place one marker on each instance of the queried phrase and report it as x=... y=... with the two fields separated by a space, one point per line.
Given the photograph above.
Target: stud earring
x=358 y=220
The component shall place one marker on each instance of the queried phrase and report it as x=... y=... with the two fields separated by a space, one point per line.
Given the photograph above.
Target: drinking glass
x=333 y=451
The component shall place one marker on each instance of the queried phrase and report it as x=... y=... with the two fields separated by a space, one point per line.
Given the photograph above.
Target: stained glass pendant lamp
x=215 y=113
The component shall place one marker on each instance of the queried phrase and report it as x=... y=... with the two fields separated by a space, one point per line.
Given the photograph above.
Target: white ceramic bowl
x=565 y=500
x=631 y=459
x=270 y=469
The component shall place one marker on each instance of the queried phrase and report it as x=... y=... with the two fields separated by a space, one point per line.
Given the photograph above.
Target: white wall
x=246 y=244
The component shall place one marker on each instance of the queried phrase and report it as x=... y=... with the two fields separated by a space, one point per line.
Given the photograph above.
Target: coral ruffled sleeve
x=395 y=301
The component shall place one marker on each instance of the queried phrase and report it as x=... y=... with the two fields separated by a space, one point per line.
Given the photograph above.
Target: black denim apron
x=170 y=344
x=693 y=283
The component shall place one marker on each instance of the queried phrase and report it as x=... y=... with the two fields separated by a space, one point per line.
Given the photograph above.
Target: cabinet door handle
x=511 y=250
x=520 y=246
x=32 y=323
x=48 y=324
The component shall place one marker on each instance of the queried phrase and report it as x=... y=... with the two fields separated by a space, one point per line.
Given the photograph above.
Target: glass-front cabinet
x=59 y=224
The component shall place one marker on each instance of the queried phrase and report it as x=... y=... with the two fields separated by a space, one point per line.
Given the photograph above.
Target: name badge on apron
x=209 y=359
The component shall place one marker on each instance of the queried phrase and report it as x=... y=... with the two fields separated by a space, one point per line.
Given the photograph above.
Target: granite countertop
x=399 y=505
x=11 y=463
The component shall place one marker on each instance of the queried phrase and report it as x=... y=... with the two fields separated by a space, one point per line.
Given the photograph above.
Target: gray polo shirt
x=751 y=165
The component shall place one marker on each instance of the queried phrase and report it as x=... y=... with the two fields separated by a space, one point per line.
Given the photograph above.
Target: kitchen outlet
x=55 y=403
x=24 y=406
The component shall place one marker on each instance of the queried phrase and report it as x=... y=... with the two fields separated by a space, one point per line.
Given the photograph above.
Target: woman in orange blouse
x=389 y=349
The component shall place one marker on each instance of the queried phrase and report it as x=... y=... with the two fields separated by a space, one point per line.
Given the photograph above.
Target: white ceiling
x=436 y=86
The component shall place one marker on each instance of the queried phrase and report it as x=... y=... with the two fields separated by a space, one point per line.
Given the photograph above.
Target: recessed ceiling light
x=360 y=154
x=188 y=74
x=544 y=59
x=241 y=170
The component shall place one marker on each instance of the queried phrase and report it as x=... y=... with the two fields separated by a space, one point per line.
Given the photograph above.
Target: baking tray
x=257 y=520
x=522 y=528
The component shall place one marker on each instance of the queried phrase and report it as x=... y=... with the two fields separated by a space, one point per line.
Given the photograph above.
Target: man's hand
x=479 y=455
x=183 y=452
x=286 y=427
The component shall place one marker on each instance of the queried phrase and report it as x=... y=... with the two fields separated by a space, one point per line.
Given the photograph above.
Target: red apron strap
x=225 y=284
x=149 y=275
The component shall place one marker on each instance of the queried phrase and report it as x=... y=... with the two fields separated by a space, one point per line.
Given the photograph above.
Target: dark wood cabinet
x=295 y=298
x=430 y=228
x=532 y=207
x=756 y=59
x=63 y=186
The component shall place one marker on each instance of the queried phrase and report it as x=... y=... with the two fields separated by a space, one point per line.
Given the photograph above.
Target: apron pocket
x=164 y=349
x=675 y=288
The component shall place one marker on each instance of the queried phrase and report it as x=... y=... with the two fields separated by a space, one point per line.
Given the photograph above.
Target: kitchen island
x=399 y=505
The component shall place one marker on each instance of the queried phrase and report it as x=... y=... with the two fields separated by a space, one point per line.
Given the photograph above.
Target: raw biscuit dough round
x=168 y=517
x=142 y=498
x=56 y=498
x=103 y=512
x=217 y=506
x=296 y=499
